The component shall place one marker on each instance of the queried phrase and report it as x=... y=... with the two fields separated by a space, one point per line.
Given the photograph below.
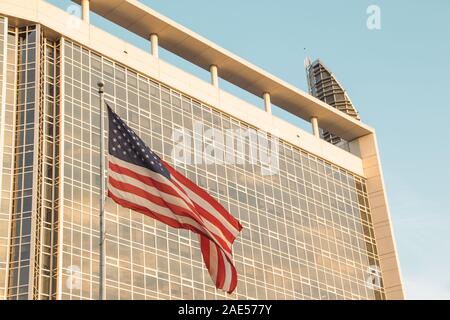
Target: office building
x=316 y=217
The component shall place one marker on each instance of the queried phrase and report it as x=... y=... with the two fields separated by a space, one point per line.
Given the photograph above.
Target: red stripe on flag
x=202 y=193
x=169 y=190
x=146 y=187
x=180 y=211
x=204 y=245
x=183 y=199
x=233 y=283
x=144 y=179
x=152 y=214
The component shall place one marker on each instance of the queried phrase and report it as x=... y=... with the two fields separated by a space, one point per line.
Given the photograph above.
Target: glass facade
x=307 y=229
x=47 y=173
x=30 y=168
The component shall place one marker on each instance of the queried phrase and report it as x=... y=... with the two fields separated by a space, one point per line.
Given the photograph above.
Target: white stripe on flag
x=228 y=273
x=208 y=207
x=164 y=211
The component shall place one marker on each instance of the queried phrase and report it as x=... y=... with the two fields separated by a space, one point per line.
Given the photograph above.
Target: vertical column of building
x=267 y=102
x=315 y=127
x=154 y=45
x=385 y=249
x=37 y=194
x=24 y=159
x=85 y=10
x=55 y=175
x=214 y=75
x=46 y=214
x=4 y=216
x=7 y=164
x=59 y=149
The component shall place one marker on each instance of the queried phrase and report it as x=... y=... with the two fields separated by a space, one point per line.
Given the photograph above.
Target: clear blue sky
x=397 y=77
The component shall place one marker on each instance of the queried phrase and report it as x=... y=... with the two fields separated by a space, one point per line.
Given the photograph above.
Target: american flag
x=140 y=180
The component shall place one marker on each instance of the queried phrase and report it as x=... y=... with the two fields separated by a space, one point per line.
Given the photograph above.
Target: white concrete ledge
x=142 y=20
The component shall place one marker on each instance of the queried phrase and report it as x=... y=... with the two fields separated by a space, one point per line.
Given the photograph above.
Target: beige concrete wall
x=384 y=235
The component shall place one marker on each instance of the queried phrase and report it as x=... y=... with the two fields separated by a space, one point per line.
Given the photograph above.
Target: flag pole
x=102 y=266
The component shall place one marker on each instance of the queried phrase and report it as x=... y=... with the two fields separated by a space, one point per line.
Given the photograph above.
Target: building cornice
x=143 y=21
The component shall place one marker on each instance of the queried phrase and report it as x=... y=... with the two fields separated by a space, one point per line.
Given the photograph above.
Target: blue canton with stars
x=127 y=146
